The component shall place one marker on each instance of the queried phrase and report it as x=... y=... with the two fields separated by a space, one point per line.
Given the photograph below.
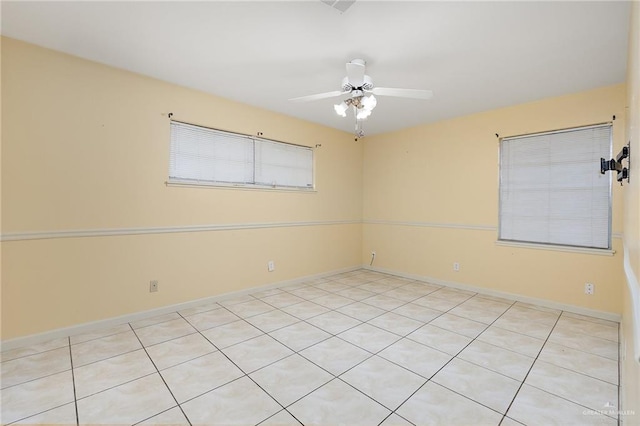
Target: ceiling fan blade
x=355 y=72
x=403 y=93
x=318 y=96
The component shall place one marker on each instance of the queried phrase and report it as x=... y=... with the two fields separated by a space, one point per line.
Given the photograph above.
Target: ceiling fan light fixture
x=363 y=114
x=341 y=109
x=369 y=102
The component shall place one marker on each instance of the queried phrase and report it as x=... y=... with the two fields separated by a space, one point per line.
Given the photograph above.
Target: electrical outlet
x=271 y=266
x=589 y=289
x=153 y=286
x=456 y=266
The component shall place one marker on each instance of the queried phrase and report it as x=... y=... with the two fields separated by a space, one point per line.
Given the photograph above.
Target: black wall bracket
x=616 y=164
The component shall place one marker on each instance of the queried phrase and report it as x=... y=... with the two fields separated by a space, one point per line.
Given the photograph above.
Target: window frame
x=175 y=181
x=555 y=246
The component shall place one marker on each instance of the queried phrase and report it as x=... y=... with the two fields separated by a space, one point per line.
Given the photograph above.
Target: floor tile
x=475 y=313
x=290 y=379
x=333 y=322
x=417 y=312
x=377 y=287
x=416 y=357
x=200 y=375
x=235 y=300
x=305 y=310
x=172 y=352
x=331 y=286
x=63 y=415
x=240 y=402
x=459 y=325
x=452 y=294
x=214 y=318
x=395 y=323
x=151 y=397
x=267 y=293
x=299 y=336
x=507 y=421
x=282 y=299
x=589 y=328
x=535 y=407
x=557 y=312
x=581 y=389
x=594 y=345
x=335 y=355
x=582 y=362
x=32 y=367
x=404 y=294
x=103 y=348
x=173 y=417
x=338 y=403
x=384 y=302
x=11 y=354
x=512 y=340
x=231 y=333
x=99 y=376
x=438 y=338
x=479 y=384
x=531 y=314
x=434 y=405
x=361 y=311
x=199 y=309
x=154 y=320
x=356 y=293
x=524 y=326
x=383 y=381
x=272 y=320
x=566 y=314
x=503 y=361
x=436 y=303
x=102 y=332
x=282 y=418
x=256 y=353
x=309 y=293
x=36 y=396
x=251 y=308
x=164 y=331
x=369 y=338
x=333 y=301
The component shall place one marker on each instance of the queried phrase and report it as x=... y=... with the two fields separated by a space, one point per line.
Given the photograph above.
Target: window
x=551 y=189
x=205 y=156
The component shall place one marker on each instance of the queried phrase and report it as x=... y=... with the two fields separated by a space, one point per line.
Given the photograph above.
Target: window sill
x=566 y=249
x=247 y=187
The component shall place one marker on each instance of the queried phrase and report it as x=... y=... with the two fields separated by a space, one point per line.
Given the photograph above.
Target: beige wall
x=441 y=176
x=630 y=377
x=85 y=147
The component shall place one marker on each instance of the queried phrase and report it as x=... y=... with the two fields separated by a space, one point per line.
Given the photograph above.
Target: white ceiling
x=475 y=56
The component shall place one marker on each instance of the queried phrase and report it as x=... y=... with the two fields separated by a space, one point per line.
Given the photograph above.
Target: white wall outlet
x=589 y=289
x=271 y=266
x=456 y=266
x=153 y=286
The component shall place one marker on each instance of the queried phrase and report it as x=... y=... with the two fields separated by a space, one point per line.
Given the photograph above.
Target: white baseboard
x=505 y=295
x=92 y=326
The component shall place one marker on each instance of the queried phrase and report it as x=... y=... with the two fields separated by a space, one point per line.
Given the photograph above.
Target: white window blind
x=201 y=155
x=551 y=189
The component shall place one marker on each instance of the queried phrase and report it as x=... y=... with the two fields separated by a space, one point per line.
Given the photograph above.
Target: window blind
x=551 y=189
x=207 y=156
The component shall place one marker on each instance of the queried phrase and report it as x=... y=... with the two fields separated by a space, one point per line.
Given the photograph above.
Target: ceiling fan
x=361 y=91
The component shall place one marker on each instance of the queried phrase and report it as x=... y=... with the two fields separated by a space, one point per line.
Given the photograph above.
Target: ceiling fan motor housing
x=366 y=85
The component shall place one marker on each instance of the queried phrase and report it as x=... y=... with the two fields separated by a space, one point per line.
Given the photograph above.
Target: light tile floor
x=359 y=348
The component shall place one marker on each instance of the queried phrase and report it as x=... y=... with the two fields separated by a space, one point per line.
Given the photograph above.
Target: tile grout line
x=530 y=368
x=245 y=375
x=161 y=377
x=73 y=381
x=448 y=362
